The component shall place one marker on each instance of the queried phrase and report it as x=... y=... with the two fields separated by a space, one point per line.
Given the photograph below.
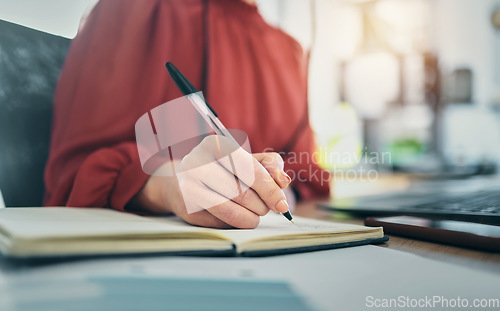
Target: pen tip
x=288 y=216
x=292 y=221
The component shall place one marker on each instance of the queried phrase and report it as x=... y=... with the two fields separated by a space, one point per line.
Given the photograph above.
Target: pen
x=188 y=89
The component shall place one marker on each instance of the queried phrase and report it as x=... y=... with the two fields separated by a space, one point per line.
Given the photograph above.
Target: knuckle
x=276 y=156
x=187 y=218
x=217 y=144
x=234 y=218
x=196 y=220
x=245 y=198
x=188 y=161
x=262 y=211
x=209 y=143
x=195 y=163
x=272 y=191
x=224 y=140
x=210 y=139
x=187 y=180
x=249 y=200
x=273 y=170
x=278 y=160
x=273 y=159
x=230 y=216
x=252 y=224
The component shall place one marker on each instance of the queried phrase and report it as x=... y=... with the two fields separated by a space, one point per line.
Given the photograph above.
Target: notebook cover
x=30 y=260
x=37 y=260
x=305 y=249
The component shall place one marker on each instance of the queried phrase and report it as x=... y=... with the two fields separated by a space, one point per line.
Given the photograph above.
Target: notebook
x=30 y=233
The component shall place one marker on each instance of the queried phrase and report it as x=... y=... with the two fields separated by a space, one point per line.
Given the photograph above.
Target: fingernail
x=282 y=206
x=288 y=179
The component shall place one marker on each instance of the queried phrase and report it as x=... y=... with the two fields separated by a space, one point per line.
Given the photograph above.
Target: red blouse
x=114 y=72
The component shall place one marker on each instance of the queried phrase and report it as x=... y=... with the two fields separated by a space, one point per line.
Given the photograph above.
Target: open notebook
x=68 y=232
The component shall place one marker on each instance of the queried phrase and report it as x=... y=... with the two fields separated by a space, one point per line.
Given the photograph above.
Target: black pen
x=188 y=89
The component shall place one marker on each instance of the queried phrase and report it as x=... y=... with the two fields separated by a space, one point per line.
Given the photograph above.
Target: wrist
x=149 y=198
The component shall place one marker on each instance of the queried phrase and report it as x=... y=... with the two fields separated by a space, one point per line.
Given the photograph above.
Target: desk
x=484 y=261
x=339 y=279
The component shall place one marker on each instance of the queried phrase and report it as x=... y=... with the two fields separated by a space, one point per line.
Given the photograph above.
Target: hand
x=208 y=183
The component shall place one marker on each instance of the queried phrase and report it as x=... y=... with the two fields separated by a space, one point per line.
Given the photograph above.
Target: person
x=253 y=74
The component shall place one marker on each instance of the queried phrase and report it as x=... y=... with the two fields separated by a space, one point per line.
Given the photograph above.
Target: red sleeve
x=108 y=177
x=309 y=179
x=112 y=75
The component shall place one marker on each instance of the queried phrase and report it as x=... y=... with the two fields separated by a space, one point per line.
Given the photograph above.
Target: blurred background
x=394 y=85
x=410 y=85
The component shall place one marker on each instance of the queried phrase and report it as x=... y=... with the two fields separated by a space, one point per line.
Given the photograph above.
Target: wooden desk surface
x=478 y=260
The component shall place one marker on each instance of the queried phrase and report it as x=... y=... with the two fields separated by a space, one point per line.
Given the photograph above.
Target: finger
x=197 y=198
x=258 y=179
x=268 y=190
x=250 y=200
x=243 y=165
x=274 y=164
x=205 y=219
x=270 y=159
x=217 y=178
x=235 y=215
x=196 y=195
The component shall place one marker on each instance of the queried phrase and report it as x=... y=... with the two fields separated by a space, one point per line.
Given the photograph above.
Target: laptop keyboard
x=483 y=202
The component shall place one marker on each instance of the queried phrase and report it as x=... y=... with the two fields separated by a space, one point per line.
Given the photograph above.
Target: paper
x=277 y=225
x=38 y=223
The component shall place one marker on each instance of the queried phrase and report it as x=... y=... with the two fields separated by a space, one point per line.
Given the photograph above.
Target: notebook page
x=275 y=225
x=63 y=222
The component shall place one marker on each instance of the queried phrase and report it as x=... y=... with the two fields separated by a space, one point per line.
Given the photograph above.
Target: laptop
x=475 y=199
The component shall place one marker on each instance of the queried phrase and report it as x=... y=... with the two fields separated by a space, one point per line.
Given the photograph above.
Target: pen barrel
x=207 y=114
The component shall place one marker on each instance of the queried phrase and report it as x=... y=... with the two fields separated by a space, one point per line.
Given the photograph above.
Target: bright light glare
x=371 y=81
x=346 y=31
x=406 y=23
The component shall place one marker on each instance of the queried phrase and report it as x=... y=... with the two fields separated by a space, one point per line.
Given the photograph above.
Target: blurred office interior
x=416 y=79
x=421 y=77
